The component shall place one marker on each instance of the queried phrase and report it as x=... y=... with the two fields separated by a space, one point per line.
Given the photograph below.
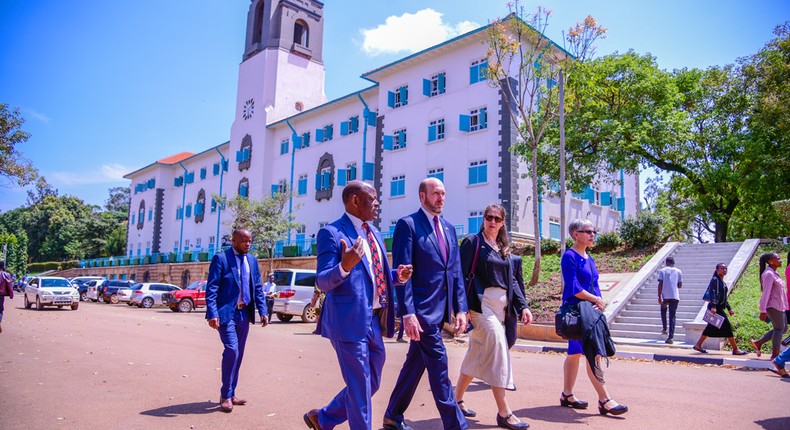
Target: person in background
x=717 y=304
x=270 y=289
x=6 y=289
x=580 y=285
x=670 y=280
x=494 y=293
x=773 y=303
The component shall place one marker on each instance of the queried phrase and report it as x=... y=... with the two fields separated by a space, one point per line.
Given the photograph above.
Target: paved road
x=111 y=366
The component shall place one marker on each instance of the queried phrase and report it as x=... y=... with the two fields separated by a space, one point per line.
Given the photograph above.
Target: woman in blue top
x=580 y=282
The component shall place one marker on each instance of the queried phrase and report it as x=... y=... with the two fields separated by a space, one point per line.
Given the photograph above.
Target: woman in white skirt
x=492 y=291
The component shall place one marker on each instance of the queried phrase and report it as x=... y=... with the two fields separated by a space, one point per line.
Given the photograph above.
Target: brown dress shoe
x=226 y=404
x=237 y=401
x=311 y=419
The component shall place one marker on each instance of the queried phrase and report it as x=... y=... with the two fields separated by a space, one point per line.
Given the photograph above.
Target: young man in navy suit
x=433 y=296
x=233 y=292
x=358 y=309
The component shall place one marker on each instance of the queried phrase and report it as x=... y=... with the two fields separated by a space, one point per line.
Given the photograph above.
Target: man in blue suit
x=434 y=295
x=233 y=292
x=359 y=306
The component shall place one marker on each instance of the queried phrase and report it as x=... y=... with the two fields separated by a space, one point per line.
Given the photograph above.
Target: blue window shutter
x=483 y=118
x=577 y=195
x=482 y=174
x=199 y=209
x=431 y=133
x=588 y=194
x=464 y=122
x=441 y=83
x=132 y=218
x=225 y=165
x=150 y=214
x=390 y=99
x=341 y=176
x=216 y=169
x=275 y=189
x=244 y=190
x=621 y=203
x=213 y=205
x=203 y=173
x=440 y=176
x=474 y=74
x=303 y=186
x=344 y=128
x=328 y=132
x=326 y=178
x=393 y=188
x=371 y=118
x=305 y=140
x=189 y=211
x=367 y=171
x=239 y=156
x=317 y=181
x=402 y=139
x=246 y=154
x=319 y=135
x=472 y=175
x=190 y=177
x=354 y=126
x=387 y=140
x=353 y=174
x=297 y=142
x=404 y=95
x=606 y=199
x=426 y=87
x=482 y=70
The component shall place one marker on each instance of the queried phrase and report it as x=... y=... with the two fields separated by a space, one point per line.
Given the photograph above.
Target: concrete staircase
x=639 y=321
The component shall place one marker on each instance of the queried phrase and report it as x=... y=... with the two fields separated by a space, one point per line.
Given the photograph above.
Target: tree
x=525 y=66
x=13 y=166
x=267 y=220
x=42 y=189
x=119 y=200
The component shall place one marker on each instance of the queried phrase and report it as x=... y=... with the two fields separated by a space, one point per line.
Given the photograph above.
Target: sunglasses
x=593 y=232
x=494 y=218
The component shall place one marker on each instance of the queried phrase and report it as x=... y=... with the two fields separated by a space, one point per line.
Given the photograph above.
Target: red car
x=194 y=296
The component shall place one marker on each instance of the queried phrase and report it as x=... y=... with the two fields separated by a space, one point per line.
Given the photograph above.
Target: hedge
x=52 y=265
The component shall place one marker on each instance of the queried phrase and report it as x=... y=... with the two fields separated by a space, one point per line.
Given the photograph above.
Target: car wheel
x=174 y=308
x=27 y=303
x=84 y=297
x=309 y=314
x=185 y=305
x=147 y=303
x=39 y=306
x=114 y=299
x=99 y=299
x=74 y=306
x=284 y=317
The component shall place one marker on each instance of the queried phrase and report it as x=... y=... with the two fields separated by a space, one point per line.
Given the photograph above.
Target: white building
x=428 y=114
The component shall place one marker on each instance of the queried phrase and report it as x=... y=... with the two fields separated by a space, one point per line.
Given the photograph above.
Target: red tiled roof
x=173 y=159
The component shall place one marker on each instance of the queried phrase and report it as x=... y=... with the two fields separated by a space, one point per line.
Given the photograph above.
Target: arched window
x=141 y=215
x=244 y=156
x=301 y=34
x=200 y=206
x=244 y=187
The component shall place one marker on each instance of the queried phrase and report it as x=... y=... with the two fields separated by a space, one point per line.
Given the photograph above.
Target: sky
x=108 y=87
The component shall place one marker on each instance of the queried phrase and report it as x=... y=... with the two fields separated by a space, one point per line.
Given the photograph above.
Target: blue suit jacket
x=222 y=288
x=348 y=307
x=435 y=291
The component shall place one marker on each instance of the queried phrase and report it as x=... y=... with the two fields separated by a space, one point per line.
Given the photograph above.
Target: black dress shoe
x=617 y=410
x=576 y=404
x=502 y=422
x=311 y=419
x=467 y=412
x=394 y=425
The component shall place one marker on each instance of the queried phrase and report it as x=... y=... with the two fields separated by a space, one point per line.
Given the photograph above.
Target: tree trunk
x=536 y=222
x=721 y=231
x=562 y=162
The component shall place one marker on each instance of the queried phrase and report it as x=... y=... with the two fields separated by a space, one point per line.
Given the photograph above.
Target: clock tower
x=280 y=75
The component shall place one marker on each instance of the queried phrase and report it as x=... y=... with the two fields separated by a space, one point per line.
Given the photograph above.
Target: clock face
x=247 y=110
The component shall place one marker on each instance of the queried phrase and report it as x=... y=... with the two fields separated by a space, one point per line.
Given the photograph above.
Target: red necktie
x=440 y=238
x=378 y=269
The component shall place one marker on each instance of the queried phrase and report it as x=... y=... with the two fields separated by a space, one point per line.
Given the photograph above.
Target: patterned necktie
x=378 y=269
x=440 y=238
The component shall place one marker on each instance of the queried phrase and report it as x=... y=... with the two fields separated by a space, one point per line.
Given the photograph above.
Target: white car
x=295 y=289
x=51 y=291
x=148 y=294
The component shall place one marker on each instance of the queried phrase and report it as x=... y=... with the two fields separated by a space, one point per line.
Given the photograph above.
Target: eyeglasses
x=494 y=218
x=593 y=232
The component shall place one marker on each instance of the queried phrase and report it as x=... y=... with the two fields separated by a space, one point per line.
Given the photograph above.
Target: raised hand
x=353 y=255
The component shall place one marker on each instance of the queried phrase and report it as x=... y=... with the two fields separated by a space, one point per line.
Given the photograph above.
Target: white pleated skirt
x=488 y=357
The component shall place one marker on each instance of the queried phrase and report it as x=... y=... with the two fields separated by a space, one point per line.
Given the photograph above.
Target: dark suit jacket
x=222 y=288
x=435 y=291
x=348 y=307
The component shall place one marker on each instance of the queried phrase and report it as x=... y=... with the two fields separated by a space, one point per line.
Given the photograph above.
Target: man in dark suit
x=353 y=269
x=433 y=296
x=233 y=292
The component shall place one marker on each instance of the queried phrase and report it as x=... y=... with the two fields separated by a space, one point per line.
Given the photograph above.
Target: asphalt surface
x=115 y=367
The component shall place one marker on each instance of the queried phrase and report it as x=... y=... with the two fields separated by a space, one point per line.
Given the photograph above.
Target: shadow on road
x=557 y=414
x=172 y=411
x=774 y=423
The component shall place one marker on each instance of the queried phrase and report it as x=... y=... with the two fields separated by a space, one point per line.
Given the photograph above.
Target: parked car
x=92 y=289
x=105 y=289
x=148 y=294
x=124 y=295
x=295 y=289
x=194 y=296
x=81 y=282
x=51 y=291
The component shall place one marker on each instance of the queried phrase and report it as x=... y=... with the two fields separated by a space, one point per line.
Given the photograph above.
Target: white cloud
x=410 y=33
x=106 y=173
x=39 y=116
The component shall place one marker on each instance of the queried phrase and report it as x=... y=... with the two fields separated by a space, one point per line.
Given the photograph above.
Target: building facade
x=428 y=114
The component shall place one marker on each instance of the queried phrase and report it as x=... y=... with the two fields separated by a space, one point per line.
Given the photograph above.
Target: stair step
x=648 y=321
x=644 y=328
x=647 y=314
x=680 y=337
x=654 y=307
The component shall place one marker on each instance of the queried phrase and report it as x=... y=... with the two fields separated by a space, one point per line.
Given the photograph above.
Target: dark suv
x=108 y=289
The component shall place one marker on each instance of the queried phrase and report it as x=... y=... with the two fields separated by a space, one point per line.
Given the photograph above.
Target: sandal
x=576 y=404
x=700 y=350
x=739 y=352
x=466 y=412
x=756 y=348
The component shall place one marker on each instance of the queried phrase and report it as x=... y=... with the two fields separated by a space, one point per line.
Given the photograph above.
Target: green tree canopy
x=13 y=166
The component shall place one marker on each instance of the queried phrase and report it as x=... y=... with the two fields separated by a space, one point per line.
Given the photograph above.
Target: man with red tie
x=358 y=309
x=433 y=296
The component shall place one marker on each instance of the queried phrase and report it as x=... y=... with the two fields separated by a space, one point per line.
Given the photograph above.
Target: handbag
x=715 y=320
x=568 y=322
x=471 y=278
x=706 y=296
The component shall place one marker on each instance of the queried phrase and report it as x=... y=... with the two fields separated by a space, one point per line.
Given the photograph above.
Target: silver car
x=148 y=294
x=295 y=289
x=125 y=294
x=51 y=291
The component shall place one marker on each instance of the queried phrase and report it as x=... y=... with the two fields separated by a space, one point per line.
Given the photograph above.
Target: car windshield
x=195 y=285
x=54 y=283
